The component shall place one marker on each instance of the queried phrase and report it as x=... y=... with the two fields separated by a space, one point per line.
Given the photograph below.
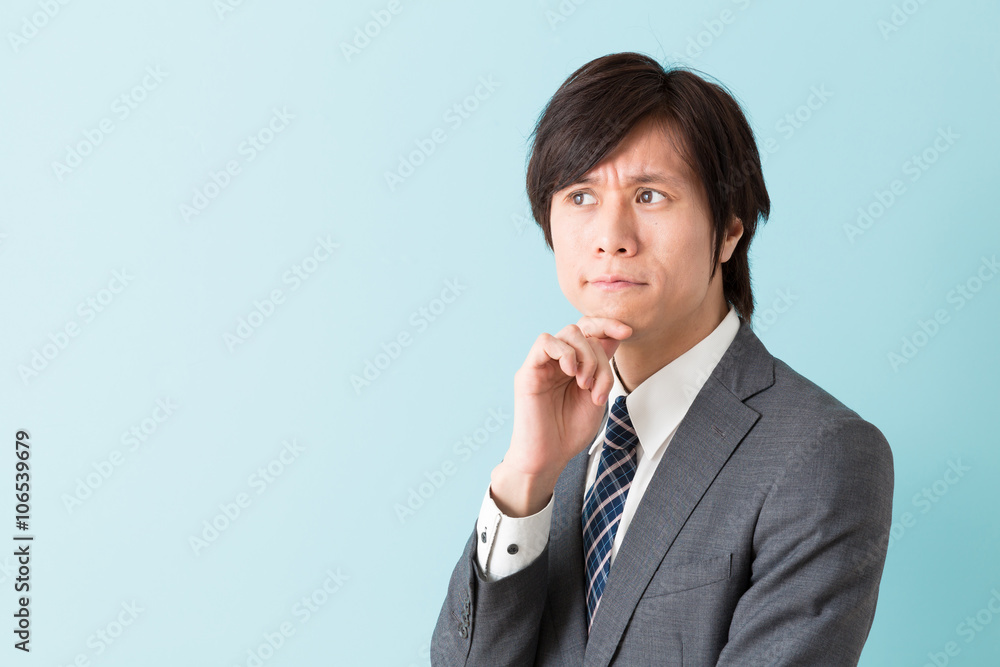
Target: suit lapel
x=705 y=439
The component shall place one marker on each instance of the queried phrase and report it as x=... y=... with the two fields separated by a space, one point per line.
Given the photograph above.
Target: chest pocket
x=688 y=571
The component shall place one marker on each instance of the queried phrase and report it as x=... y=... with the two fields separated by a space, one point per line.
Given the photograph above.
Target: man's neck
x=636 y=360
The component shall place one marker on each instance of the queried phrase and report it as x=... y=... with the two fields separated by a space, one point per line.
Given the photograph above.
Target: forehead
x=649 y=153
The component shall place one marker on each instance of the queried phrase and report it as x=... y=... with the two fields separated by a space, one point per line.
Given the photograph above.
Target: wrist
x=518 y=494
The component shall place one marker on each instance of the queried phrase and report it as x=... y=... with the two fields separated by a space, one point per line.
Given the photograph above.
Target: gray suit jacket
x=760 y=540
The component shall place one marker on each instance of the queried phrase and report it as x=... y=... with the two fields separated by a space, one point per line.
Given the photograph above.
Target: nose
x=616 y=228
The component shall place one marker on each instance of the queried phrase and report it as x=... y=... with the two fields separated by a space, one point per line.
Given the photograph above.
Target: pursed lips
x=615 y=282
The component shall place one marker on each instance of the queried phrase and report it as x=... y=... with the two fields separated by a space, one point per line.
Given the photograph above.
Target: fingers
x=608 y=332
x=604 y=380
x=547 y=348
x=582 y=351
x=579 y=357
x=588 y=359
x=604 y=327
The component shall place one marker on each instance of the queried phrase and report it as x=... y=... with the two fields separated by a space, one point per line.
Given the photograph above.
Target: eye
x=646 y=197
x=577 y=197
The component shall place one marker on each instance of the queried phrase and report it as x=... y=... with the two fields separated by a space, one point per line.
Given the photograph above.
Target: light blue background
x=461 y=216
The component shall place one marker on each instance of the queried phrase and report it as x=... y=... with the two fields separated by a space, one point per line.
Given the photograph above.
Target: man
x=673 y=494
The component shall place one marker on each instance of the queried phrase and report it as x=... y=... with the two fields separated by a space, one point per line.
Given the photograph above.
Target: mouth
x=614 y=283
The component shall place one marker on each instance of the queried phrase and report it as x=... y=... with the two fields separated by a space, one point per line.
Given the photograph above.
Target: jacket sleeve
x=819 y=548
x=492 y=623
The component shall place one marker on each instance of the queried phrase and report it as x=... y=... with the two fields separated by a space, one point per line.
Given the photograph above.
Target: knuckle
x=572 y=330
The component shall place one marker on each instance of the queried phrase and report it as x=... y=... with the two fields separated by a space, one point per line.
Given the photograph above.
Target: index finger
x=604 y=327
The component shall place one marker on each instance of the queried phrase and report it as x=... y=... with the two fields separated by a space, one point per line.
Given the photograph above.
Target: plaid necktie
x=602 y=509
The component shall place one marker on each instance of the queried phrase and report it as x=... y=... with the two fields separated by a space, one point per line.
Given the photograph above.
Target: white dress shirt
x=506 y=545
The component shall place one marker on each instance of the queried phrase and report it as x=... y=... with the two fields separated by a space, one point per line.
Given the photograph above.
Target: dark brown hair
x=597 y=106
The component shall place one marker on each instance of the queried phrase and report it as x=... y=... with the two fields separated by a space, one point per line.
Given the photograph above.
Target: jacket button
x=462 y=632
x=512 y=549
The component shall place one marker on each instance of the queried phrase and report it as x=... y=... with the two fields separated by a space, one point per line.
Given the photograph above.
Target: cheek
x=564 y=251
x=566 y=272
x=558 y=231
x=682 y=259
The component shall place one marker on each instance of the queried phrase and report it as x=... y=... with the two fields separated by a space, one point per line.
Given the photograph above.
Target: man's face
x=641 y=215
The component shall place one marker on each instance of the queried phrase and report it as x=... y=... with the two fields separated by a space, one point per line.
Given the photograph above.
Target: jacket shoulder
x=798 y=408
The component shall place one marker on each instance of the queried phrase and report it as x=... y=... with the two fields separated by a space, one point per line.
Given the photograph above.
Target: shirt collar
x=657 y=406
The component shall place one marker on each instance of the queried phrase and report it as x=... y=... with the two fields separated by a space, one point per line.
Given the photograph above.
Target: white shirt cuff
x=505 y=545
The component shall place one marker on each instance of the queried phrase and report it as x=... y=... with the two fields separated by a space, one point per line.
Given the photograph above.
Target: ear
x=733 y=234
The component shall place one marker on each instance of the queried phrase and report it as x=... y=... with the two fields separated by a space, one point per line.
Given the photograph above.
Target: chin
x=619 y=311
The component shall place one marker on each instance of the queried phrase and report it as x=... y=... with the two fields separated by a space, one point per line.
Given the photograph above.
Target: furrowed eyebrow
x=642 y=178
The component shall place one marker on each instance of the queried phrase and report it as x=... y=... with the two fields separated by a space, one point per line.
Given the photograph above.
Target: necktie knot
x=620 y=433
